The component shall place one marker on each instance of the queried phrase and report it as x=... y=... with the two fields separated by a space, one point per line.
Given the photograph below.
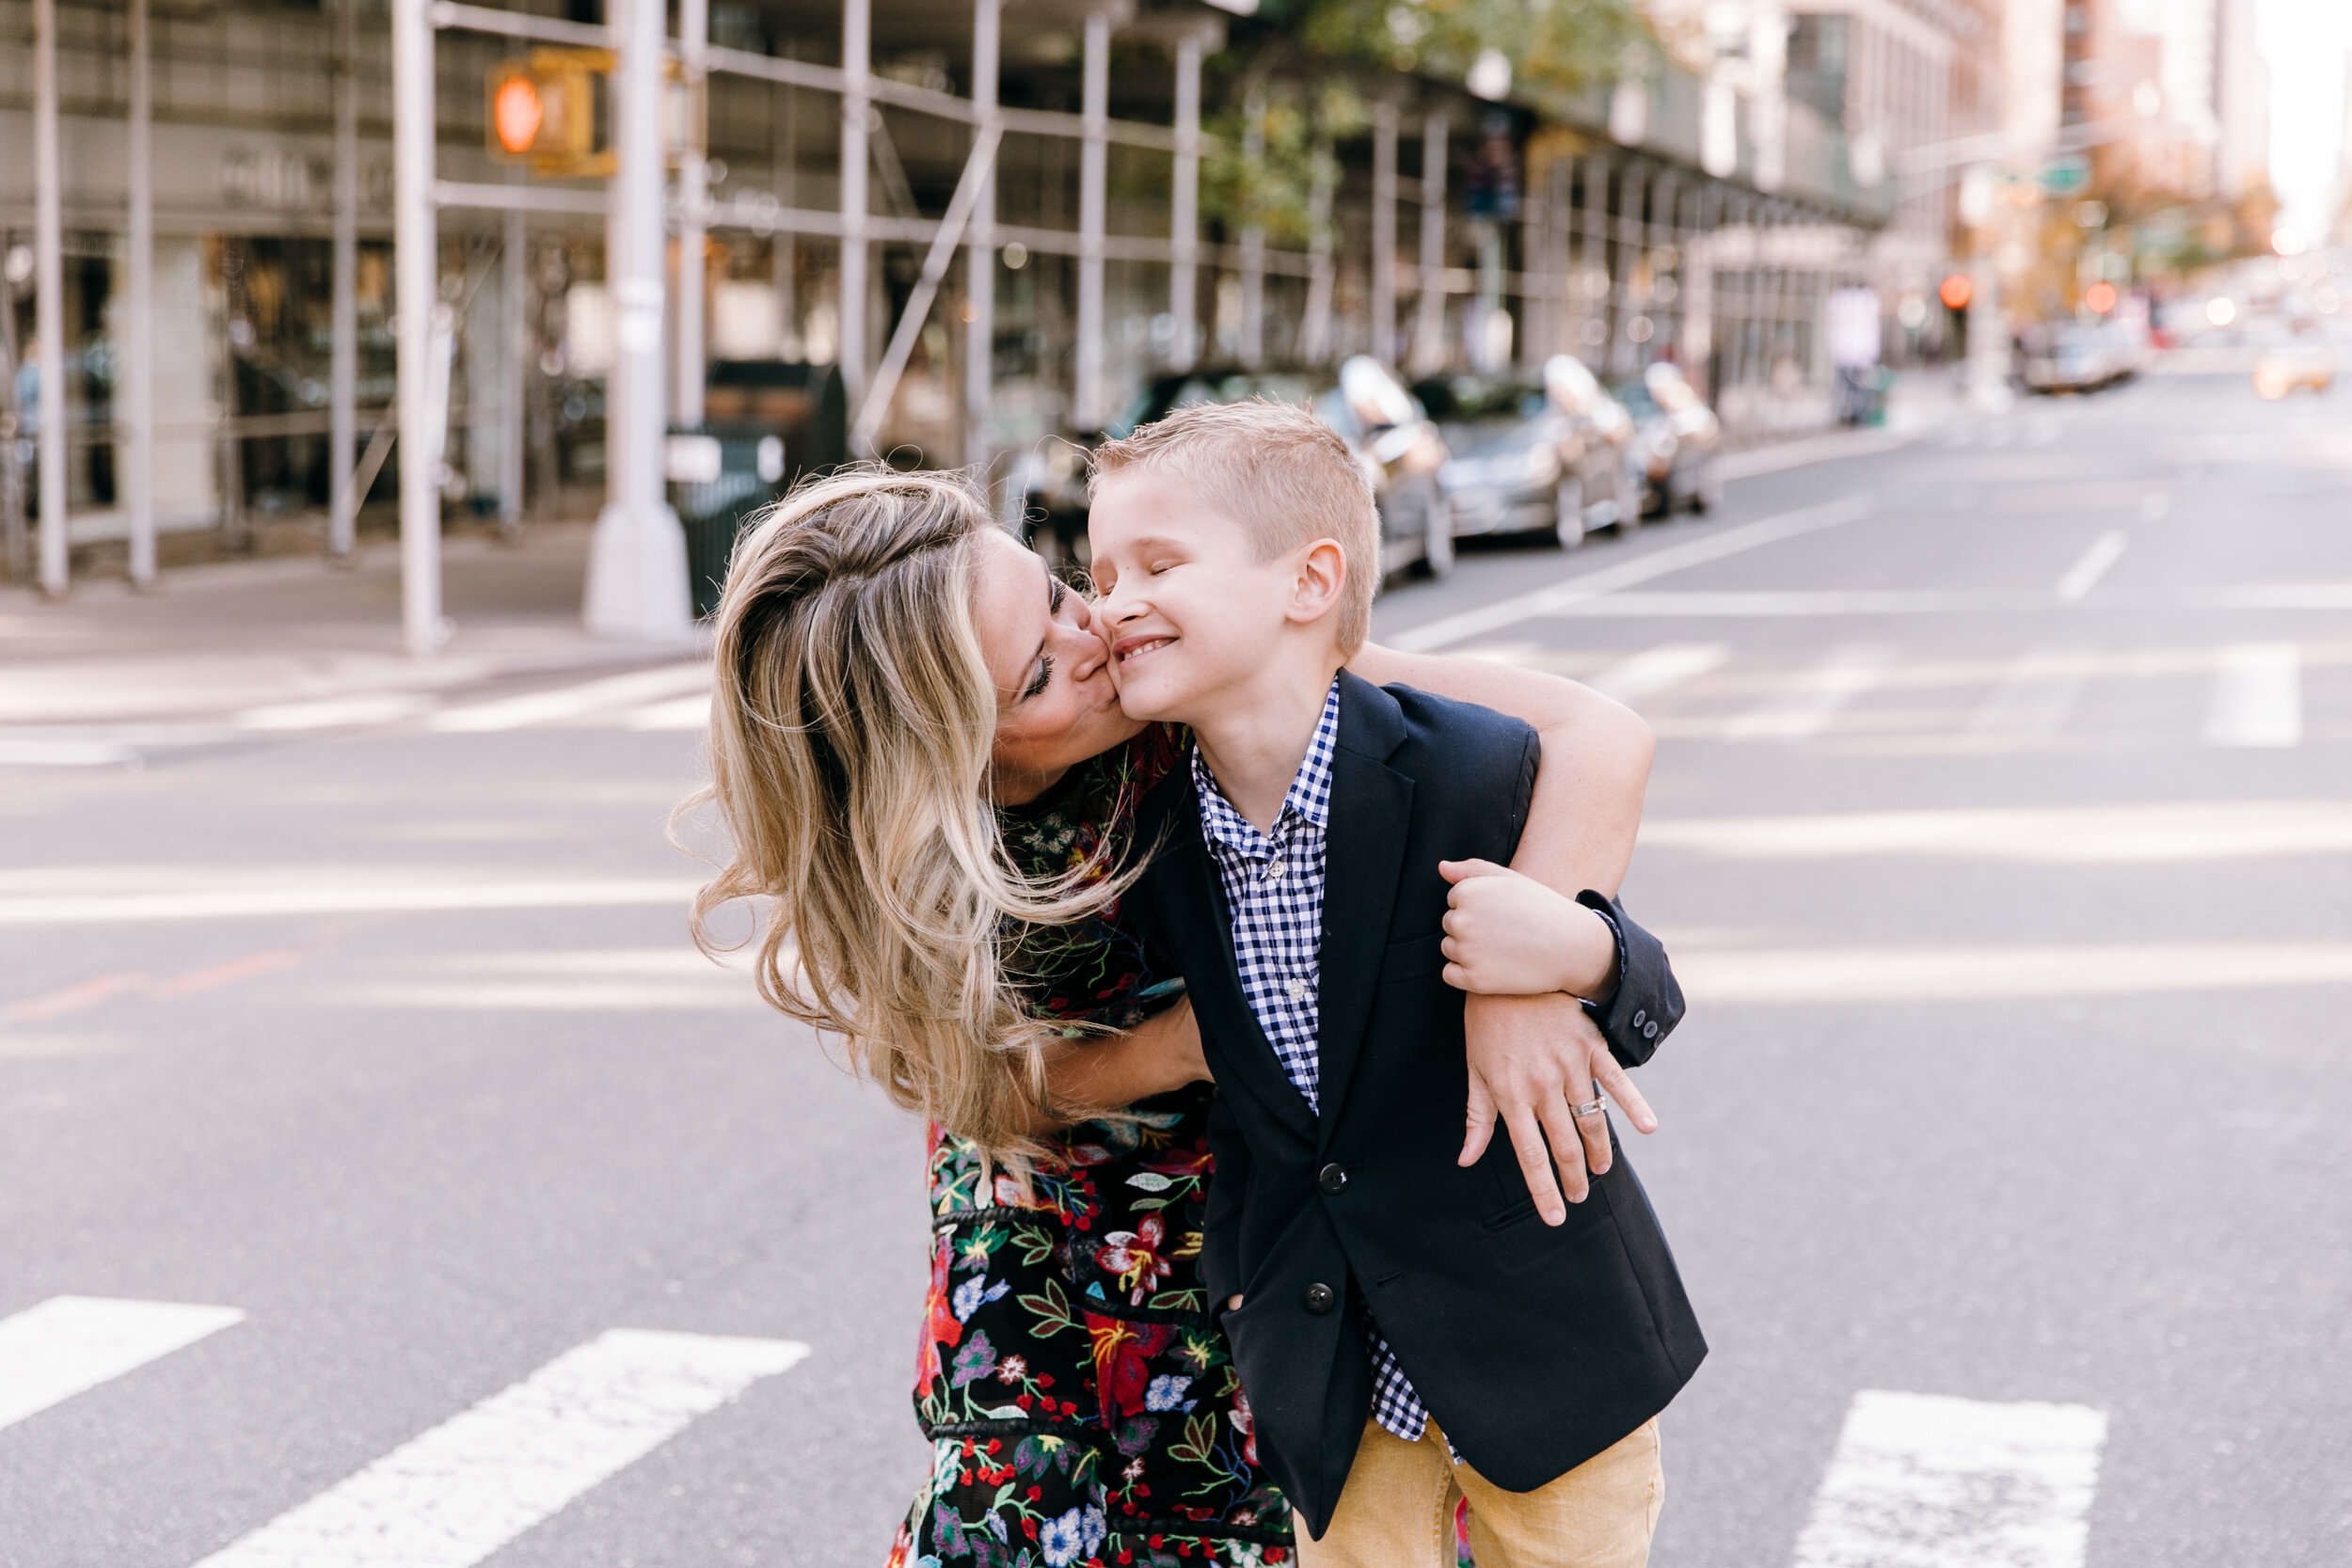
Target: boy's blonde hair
x=1281 y=473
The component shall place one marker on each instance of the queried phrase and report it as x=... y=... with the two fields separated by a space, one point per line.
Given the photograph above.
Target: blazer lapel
x=1372 y=807
x=1199 y=932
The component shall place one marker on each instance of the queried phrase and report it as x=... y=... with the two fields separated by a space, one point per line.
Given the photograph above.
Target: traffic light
x=543 y=112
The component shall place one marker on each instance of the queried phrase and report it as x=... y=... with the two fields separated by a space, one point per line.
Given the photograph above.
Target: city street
x=366 y=1114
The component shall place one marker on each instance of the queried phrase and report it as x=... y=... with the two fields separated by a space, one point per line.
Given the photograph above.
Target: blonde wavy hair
x=852 y=721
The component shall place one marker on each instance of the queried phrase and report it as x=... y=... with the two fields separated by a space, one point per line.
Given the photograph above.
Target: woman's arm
x=1161 y=1054
x=1534 y=1059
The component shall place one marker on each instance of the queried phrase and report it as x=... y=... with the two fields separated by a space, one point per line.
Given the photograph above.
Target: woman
x=920 y=757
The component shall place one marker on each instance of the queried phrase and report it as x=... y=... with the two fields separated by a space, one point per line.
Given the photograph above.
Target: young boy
x=1404 y=1326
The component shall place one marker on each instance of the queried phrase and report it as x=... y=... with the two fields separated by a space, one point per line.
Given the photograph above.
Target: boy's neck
x=1256 y=738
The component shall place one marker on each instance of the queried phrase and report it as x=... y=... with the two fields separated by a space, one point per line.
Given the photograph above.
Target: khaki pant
x=1397 y=1511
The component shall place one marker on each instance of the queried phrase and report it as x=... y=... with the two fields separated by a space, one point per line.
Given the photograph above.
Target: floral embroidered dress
x=1082 y=1404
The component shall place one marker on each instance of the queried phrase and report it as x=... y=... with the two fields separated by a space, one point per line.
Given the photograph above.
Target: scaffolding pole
x=49 y=304
x=342 y=444
x=1384 y=119
x=415 y=298
x=138 y=338
x=1183 y=286
x=693 y=179
x=1093 y=177
x=637 y=579
x=980 y=255
x=1429 y=348
x=857 y=110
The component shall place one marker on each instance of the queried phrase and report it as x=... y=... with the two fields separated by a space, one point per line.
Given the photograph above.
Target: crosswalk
x=452 y=1495
x=1923 y=1481
x=2242 y=696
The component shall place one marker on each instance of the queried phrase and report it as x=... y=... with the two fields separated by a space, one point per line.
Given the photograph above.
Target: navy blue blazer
x=1535 y=1348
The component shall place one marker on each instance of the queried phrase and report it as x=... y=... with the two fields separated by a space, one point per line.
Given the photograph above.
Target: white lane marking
x=1807 y=704
x=379 y=707
x=678 y=713
x=1771 y=602
x=2257 y=696
x=65 y=752
x=1657 y=669
x=257 y=897
x=2096 y=561
x=2036 y=695
x=1922 y=1480
x=1449 y=629
x=457 y=1494
x=1859 y=977
x=2166 y=833
x=70 y=1344
x=2155 y=508
x=571 y=701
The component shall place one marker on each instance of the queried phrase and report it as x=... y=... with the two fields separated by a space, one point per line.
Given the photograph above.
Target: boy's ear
x=1321 y=578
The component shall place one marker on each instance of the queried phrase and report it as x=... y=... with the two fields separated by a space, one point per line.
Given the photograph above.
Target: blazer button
x=1318 y=1298
x=1332 y=1179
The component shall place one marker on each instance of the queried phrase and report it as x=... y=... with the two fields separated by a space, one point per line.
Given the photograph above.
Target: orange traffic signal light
x=1957 y=292
x=543 y=112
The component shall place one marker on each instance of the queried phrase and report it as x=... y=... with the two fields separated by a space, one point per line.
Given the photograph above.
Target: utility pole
x=138 y=338
x=416 y=290
x=342 y=442
x=49 y=302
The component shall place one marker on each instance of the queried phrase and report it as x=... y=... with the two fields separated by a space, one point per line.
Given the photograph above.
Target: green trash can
x=721 y=477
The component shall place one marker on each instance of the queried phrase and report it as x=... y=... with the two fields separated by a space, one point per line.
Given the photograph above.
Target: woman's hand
x=1161 y=1054
x=1509 y=935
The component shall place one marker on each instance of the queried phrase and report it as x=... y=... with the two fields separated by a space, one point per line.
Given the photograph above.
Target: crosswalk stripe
x=2257 y=696
x=1925 y=1481
x=457 y=1494
x=678 y=713
x=1806 y=706
x=2036 y=695
x=262 y=896
x=2084 y=576
x=571 y=701
x=70 y=1344
x=1657 y=669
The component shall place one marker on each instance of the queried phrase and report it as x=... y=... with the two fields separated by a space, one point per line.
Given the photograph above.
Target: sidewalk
x=216 y=641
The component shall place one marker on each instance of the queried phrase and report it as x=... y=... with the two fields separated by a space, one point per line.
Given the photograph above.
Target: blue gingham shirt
x=1274 y=891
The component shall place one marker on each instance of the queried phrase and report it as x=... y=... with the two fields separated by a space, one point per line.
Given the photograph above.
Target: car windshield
x=1474 y=397
x=1169 y=393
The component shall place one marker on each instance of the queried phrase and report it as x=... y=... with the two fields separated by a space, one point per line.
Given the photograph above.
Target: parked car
x=1675 y=453
x=2072 y=356
x=2300 y=360
x=1531 y=454
x=1388 y=431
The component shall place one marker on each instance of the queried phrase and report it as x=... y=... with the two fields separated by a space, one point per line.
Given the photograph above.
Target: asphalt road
x=2000 y=829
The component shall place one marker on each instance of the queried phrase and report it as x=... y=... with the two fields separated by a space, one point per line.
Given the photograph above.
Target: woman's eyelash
x=1053 y=604
x=1044 y=677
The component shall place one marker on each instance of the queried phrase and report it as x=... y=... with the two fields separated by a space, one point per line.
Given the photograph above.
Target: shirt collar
x=1310 y=795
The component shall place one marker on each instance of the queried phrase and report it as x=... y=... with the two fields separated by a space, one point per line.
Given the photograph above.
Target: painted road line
x=458 y=1493
x=328 y=713
x=65 y=752
x=258 y=897
x=1921 y=1481
x=248 y=967
x=1804 y=707
x=678 y=713
x=73 y=998
x=572 y=701
x=1460 y=628
x=1805 y=603
x=2122 y=833
x=70 y=1344
x=2096 y=561
x=2257 y=696
x=1658 y=670
x=1983 y=972
x=2036 y=695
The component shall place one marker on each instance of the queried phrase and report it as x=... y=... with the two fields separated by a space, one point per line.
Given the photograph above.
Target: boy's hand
x=1532 y=1059
x=1510 y=935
